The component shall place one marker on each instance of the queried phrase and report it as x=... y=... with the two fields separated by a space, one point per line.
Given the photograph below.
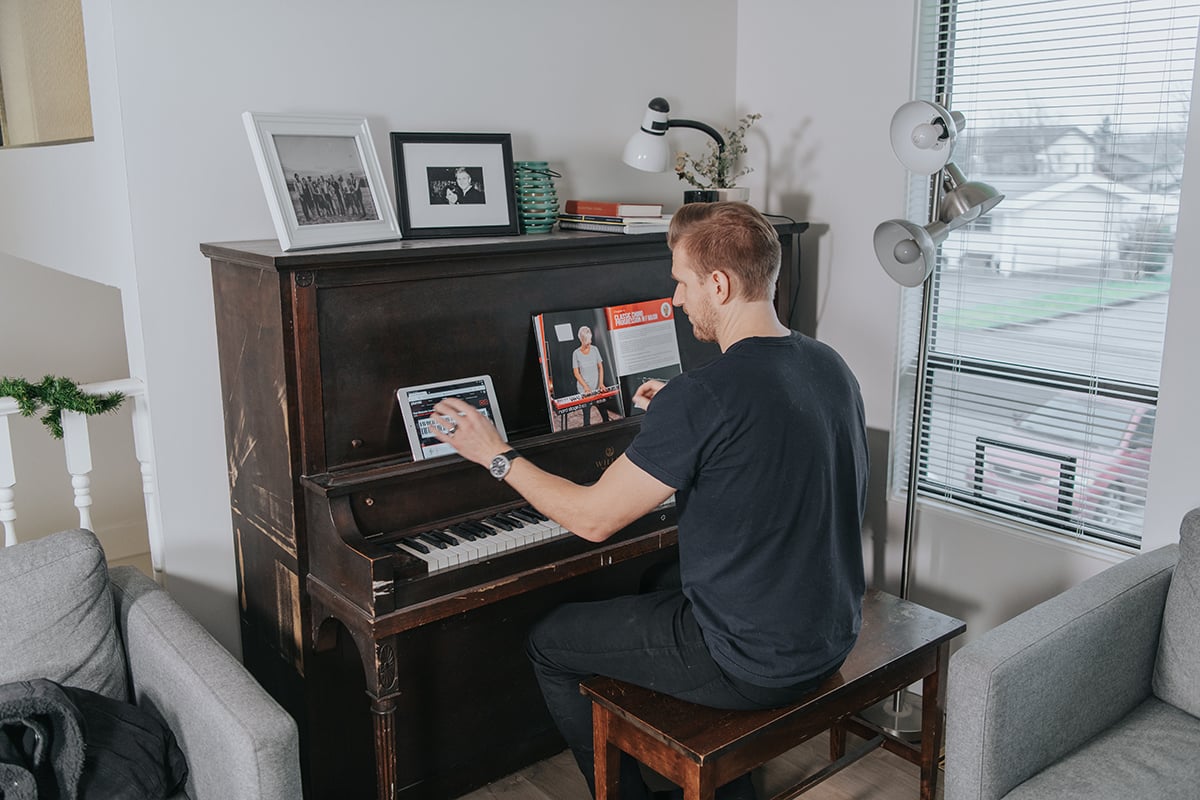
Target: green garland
x=56 y=395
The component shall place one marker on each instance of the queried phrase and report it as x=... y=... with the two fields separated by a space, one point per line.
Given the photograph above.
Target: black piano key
x=445 y=537
x=500 y=523
x=522 y=513
x=540 y=516
x=516 y=522
x=490 y=528
x=415 y=545
x=479 y=529
x=463 y=532
x=433 y=540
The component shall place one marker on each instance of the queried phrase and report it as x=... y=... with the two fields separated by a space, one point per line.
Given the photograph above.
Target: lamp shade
x=963 y=200
x=906 y=250
x=923 y=135
x=647 y=149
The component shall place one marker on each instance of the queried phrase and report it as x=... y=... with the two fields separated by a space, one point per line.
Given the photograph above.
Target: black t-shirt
x=766 y=447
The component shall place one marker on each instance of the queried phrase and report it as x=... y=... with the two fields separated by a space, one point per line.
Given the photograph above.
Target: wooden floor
x=878 y=776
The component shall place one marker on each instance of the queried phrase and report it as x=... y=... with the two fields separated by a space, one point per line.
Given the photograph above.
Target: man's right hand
x=646 y=392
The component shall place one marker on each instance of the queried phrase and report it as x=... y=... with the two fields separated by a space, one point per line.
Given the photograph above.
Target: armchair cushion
x=1032 y=690
x=1177 y=670
x=1151 y=752
x=58 y=619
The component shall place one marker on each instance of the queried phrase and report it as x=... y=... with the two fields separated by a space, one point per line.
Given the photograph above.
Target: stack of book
x=613 y=217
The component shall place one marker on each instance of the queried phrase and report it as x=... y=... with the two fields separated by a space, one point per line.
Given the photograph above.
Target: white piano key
x=466 y=549
x=434 y=562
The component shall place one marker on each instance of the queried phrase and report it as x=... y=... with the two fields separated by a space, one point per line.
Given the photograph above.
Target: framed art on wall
x=322 y=179
x=454 y=184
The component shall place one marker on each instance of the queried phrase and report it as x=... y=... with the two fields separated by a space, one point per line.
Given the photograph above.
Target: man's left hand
x=473 y=435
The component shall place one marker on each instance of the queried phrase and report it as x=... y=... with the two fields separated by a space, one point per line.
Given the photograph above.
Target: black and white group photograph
x=455 y=185
x=326 y=179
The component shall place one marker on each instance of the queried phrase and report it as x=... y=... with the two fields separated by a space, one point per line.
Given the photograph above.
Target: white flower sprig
x=715 y=169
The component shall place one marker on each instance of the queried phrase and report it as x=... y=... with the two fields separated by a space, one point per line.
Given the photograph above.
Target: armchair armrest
x=1031 y=690
x=238 y=741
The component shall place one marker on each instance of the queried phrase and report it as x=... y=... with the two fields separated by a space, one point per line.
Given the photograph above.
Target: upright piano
x=385 y=601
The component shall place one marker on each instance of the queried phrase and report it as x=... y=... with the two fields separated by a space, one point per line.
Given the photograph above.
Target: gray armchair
x=64 y=616
x=1092 y=694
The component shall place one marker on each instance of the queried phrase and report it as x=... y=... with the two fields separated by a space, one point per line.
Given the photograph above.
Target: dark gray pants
x=652 y=640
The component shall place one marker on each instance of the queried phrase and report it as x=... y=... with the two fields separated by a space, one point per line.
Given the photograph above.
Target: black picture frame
x=454 y=184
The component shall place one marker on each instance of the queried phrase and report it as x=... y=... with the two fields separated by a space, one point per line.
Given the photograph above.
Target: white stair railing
x=77 y=443
x=8 y=478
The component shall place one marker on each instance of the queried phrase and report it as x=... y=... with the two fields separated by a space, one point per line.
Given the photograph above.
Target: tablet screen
x=417 y=402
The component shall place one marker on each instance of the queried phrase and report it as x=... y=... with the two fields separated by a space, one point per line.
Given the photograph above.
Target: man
x=467 y=190
x=765 y=451
x=588 y=368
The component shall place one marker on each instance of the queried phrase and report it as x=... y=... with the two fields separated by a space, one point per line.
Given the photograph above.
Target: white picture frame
x=322 y=179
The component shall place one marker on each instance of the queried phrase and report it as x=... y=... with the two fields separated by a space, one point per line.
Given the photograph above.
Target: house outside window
x=1048 y=315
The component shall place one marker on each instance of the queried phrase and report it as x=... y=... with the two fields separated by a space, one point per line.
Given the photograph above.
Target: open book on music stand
x=594 y=359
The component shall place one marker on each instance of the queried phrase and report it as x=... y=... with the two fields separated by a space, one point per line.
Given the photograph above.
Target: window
x=44 y=94
x=1047 y=319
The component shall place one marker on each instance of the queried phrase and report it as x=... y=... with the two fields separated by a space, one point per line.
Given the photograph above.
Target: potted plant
x=715 y=173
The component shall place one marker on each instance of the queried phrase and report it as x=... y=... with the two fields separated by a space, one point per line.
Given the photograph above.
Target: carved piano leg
x=379 y=667
x=383 y=714
x=382 y=690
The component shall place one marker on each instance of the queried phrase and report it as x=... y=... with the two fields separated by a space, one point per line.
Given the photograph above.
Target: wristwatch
x=502 y=463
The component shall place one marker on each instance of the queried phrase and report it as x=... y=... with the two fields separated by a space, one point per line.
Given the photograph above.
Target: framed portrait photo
x=322 y=179
x=455 y=184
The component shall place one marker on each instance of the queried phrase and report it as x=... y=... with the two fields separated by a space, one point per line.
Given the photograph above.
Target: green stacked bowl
x=537 y=199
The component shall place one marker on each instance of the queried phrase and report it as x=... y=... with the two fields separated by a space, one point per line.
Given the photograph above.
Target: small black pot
x=700 y=196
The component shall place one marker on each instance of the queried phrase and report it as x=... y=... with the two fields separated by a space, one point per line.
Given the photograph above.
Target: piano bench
x=701 y=748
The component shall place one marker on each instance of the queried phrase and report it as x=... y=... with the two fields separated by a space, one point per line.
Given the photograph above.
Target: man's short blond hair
x=732 y=237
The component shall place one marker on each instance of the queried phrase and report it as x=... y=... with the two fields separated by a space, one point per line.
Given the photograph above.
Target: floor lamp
x=923 y=135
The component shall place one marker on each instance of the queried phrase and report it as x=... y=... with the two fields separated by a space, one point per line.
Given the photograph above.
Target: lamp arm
x=711 y=131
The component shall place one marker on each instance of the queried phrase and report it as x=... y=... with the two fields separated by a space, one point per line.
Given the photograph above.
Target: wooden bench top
x=895 y=634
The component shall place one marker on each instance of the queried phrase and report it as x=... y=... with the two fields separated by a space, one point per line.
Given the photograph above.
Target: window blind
x=1047 y=315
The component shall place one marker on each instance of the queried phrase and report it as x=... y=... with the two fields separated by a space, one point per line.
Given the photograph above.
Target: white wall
x=52 y=323
x=827 y=81
x=570 y=84
x=170 y=167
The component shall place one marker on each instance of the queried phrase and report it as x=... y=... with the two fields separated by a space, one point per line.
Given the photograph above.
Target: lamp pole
x=900 y=716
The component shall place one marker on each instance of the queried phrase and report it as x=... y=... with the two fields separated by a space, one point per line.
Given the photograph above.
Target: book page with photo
x=593 y=360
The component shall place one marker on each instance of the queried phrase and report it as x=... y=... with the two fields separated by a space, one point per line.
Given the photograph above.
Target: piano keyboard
x=464 y=542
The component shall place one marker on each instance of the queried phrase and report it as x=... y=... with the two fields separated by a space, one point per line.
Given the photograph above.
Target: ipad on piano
x=417 y=402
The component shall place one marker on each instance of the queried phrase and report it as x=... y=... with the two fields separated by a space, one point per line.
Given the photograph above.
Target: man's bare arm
x=623 y=493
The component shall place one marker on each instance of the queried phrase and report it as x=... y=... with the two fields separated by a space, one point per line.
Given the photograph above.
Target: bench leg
x=933 y=715
x=837 y=741
x=606 y=755
x=698 y=785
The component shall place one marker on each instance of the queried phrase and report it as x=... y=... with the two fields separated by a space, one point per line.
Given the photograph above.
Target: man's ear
x=721 y=284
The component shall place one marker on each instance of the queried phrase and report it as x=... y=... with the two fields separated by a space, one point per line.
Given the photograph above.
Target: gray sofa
x=66 y=617
x=1093 y=694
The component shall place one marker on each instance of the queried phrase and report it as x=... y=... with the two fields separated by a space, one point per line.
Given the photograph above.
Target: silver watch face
x=500 y=465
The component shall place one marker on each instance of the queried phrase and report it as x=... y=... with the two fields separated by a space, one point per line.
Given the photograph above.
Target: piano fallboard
x=359 y=517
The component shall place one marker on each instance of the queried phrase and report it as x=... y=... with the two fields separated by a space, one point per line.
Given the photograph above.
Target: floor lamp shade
x=923 y=135
x=906 y=250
